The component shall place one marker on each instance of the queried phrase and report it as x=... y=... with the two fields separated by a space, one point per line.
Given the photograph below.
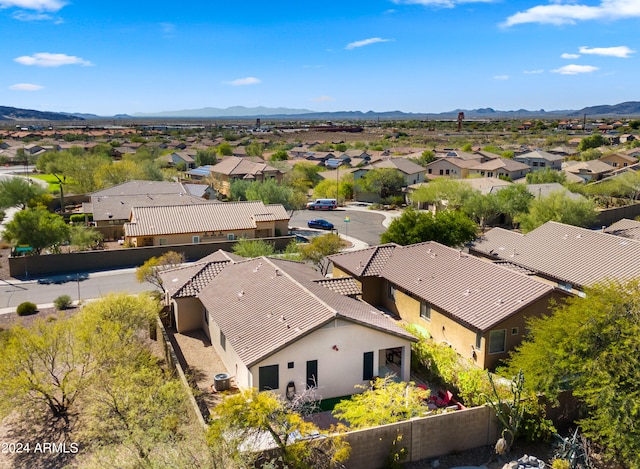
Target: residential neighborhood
x=478 y=241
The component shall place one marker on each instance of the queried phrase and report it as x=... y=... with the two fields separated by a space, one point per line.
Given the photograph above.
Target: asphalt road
x=363 y=225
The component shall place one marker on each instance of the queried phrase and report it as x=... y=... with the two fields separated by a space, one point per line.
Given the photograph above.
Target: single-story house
x=278 y=325
x=203 y=222
x=625 y=228
x=476 y=307
x=111 y=207
x=567 y=256
x=501 y=167
x=592 y=170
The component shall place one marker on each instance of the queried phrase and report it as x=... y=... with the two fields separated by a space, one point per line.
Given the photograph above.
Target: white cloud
x=440 y=3
x=365 y=42
x=25 y=87
x=168 y=28
x=46 y=59
x=38 y=5
x=321 y=99
x=570 y=56
x=501 y=77
x=533 y=72
x=571 y=13
x=243 y=81
x=574 y=69
x=622 y=52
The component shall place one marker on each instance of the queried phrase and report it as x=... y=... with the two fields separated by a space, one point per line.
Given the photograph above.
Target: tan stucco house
x=204 y=222
x=476 y=307
x=278 y=325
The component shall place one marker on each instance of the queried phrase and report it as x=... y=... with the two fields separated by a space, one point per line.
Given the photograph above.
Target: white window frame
x=425 y=311
x=195 y=239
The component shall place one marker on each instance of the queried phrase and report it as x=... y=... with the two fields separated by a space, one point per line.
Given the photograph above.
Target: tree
x=84 y=238
x=546 y=176
x=593 y=141
x=205 y=157
x=110 y=174
x=426 y=157
x=384 y=182
x=451 y=228
x=589 y=345
x=150 y=271
x=224 y=149
x=558 y=206
x=250 y=417
x=38 y=228
x=384 y=401
x=255 y=149
x=590 y=154
x=280 y=155
x=443 y=193
x=482 y=208
x=303 y=176
x=513 y=200
x=319 y=248
x=253 y=248
x=17 y=192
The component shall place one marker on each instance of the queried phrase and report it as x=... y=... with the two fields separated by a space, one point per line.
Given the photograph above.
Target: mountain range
x=626 y=109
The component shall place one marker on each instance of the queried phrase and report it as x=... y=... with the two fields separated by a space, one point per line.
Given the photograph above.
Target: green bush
x=62 y=302
x=79 y=218
x=26 y=308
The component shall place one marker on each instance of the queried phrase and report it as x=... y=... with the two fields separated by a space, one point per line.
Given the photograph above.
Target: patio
x=201 y=363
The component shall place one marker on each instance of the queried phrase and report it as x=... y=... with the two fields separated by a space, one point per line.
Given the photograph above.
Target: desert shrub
x=62 y=302
x=26 y=308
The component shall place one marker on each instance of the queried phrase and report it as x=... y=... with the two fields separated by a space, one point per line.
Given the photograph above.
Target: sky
x=140 y=56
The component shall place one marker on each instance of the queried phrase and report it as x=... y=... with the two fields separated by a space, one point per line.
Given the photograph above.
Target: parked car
x=320 y=223
x=323 y=204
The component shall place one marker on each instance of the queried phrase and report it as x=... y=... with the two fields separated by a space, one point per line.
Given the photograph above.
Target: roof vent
x=467 y=292
x=240 y=294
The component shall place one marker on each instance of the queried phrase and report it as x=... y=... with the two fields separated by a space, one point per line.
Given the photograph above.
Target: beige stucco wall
x=442 y=164
x=444 y=328
x=338 y=370
x=188 y=314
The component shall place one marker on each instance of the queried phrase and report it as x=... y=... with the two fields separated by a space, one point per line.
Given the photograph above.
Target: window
x=514 y=331
x=441 y=172
x=268 y=378
x=429 y=171
x=223 y=341
x=543 y=164
x=290 y=365
x=447 y=172
x=425 y=311
x=391 y=292
x=535 y=163
x=230 y=237
x=367 y=369
x=195 y=239
x=478 y=341
x=162 y=241
x=497 y=341
x=206 y=316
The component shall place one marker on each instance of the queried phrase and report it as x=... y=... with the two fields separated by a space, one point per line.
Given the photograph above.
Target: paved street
x=364 y=225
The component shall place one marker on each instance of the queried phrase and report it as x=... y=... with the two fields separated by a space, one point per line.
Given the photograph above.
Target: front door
x=312 y=374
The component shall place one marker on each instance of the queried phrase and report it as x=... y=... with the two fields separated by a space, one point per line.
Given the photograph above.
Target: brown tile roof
x=118 y=207
x=567 y=253
x=263 y=305
x=189 y=280
x=501 y=163
x=237 y=166
x=142 y=188
x=471 y=290
x=344 y=285
x=402 y=164
x=625 y=228
x=175 y=219
x=367 y=262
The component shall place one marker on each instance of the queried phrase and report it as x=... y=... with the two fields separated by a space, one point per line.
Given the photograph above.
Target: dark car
x=320 y=223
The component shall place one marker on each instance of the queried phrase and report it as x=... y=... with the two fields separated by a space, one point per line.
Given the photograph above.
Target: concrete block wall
x=424 y=437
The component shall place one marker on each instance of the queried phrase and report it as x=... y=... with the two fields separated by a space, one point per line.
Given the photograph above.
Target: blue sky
x=111 y=57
